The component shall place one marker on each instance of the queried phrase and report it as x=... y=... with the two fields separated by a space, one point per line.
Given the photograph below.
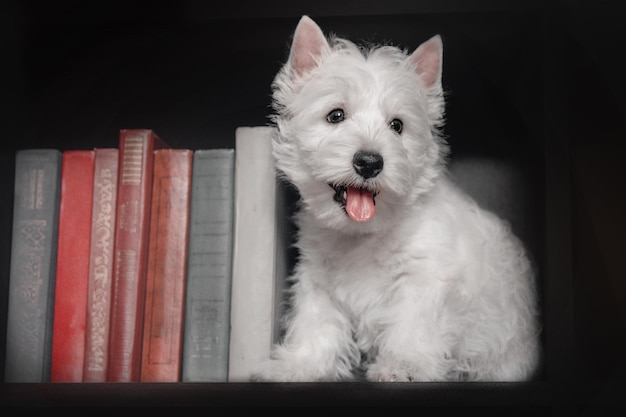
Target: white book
x=259 y=253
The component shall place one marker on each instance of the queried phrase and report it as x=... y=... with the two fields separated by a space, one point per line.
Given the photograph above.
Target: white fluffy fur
x=433 y=287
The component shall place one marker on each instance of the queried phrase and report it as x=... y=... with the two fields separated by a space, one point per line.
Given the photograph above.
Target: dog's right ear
x=309 y=43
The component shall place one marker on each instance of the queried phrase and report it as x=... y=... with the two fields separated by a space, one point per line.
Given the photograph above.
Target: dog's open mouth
x=358 y=203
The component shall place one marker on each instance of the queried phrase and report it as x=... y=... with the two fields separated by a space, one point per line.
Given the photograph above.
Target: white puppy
x=400 y=275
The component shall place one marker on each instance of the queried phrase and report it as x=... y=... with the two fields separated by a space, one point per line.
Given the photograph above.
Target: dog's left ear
x=428 y=59
x=309 y=43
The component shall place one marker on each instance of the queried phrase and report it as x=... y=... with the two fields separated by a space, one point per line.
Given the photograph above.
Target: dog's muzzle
x=359 y=202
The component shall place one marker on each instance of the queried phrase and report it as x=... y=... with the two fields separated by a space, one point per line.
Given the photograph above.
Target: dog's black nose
x=367 y=164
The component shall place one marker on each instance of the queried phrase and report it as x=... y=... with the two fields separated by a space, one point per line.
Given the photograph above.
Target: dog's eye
x=396 y=125
x=336 y=116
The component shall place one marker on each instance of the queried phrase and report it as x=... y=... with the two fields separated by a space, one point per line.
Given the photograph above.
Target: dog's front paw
x=391 y=371
x=395 y=370
x=275 y=370
x=279 y=370
x=301 y=370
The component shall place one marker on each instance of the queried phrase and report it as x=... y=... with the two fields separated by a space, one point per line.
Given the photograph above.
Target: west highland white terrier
x=400 y=276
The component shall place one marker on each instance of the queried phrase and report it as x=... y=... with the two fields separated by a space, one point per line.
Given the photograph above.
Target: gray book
x=209 y=267
x=33 y=265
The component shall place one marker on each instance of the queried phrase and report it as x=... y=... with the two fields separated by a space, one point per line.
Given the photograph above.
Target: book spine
x=100 y=265
x=74 y=236
x=167 y=265
x=209 y=271
x=136 y=153
x=253 y=288
x=33 y=265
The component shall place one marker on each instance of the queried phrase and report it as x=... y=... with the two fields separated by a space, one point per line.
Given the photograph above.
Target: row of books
x=145 y=263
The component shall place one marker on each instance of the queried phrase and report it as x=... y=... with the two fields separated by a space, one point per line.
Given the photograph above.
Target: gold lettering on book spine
x=126 y=264
x=33 y=233
x=31 y=269
x=132 y=160
x=100 y=295
x=33 y=199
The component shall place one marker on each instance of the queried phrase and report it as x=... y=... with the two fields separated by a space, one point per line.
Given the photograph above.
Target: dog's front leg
x=414 y=343
x=318 y=343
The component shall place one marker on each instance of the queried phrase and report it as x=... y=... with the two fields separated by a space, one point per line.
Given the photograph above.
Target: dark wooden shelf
x=513 y=395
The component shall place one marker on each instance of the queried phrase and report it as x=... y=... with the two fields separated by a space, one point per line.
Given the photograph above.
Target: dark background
x=536 y=96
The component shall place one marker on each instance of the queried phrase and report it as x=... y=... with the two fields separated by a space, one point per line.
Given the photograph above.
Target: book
x=100 y=264
x=260 y=255
x=167 y=266
x=134 y=191
x=209 y=267
x=74 y=237
x=33 y=265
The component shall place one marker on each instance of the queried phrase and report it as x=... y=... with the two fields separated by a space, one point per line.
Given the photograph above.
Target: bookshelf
x=532 y=71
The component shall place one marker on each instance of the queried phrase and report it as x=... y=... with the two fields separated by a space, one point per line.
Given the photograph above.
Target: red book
x=167 y=265
x=100 y=265
x=70 y=302
x=134 y=190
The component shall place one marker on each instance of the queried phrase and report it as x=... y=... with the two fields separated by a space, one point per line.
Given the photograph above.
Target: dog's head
x=358 y=127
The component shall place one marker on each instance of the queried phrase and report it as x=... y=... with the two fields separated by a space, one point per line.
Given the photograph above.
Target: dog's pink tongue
x=360 y=205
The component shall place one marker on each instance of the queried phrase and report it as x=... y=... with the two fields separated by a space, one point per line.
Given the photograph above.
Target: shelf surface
x=534 y=394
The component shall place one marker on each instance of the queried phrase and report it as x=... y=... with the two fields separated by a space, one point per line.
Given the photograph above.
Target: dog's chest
x=357 y=271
